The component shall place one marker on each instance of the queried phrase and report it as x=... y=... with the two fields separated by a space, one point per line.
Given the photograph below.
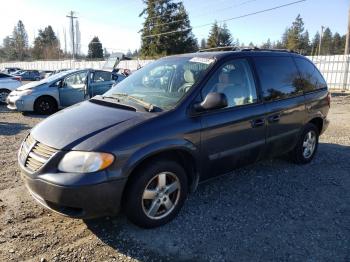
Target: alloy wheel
x=161 y=195
x=309 y=144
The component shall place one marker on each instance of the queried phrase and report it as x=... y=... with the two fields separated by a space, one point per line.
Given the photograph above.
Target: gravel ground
x=273 y=210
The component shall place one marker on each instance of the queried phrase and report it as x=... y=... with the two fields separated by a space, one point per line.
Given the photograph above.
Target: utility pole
x=72 y=17
x=65 y=41
x=320 y=43
x=346 y=54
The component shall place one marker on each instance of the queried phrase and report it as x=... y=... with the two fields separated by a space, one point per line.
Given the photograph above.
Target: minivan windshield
x=161 y=83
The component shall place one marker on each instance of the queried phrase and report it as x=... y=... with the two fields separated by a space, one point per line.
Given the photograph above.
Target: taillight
x=329 y=97
x=18 y=78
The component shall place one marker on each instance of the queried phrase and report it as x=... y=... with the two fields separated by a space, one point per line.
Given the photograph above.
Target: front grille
x=33 y=154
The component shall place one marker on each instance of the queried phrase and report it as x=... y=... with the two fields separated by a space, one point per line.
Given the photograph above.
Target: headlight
x=24 y=92
x=85 y=162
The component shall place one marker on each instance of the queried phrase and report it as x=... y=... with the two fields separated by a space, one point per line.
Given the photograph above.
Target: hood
x=69 y=127
x=32 y=85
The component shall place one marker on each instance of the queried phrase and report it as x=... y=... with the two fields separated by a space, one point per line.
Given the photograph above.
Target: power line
x=225 y=20
x=218 y=10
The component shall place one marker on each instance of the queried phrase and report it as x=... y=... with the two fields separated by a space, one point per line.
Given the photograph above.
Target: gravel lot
x=272 y=210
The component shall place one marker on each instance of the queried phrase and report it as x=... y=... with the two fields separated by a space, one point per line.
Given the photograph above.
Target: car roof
x=218 y=55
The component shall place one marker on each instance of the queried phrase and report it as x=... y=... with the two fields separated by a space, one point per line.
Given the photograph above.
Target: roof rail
x=219 y=48
x=244 y=49
x=268 y=49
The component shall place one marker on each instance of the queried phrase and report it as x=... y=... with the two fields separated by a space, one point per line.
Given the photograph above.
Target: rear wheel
x=156 y=194
x=306 y=146
x=3 y=95
x=45 y=105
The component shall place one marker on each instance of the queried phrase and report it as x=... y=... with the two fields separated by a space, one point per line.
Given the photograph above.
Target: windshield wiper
x=148 y=106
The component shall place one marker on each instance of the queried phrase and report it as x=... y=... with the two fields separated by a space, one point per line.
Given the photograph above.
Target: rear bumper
x=84 y=201
x=325 y=125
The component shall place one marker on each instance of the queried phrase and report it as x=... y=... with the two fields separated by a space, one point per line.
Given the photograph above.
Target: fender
x=163 y=146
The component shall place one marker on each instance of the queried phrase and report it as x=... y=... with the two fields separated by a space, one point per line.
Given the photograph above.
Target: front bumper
x=78 y=201
x=20 y=103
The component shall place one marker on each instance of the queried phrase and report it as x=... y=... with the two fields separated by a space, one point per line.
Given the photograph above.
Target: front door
x=73 y=89
x=235 y=135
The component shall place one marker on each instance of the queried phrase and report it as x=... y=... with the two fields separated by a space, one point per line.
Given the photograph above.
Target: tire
x=144 y=206
x=45 y=105
x=3 y=95
x=305 y=149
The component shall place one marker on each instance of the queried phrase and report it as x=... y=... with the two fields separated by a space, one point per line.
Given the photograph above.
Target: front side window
x=278 y=77
x=310 y=77
x=77 y=80
x=235 y=80
x=162 y=83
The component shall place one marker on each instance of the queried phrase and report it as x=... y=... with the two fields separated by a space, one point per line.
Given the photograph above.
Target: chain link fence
x=335 y=68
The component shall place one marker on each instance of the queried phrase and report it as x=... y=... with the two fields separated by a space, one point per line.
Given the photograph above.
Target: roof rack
x=244 y=49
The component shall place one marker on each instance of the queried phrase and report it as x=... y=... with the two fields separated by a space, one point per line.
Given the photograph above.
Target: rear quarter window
x=278 y=77
x=311 y=78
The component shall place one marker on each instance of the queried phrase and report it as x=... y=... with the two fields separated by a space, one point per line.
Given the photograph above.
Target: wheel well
x=182 y=157
x=318 y=122
x=47 y=97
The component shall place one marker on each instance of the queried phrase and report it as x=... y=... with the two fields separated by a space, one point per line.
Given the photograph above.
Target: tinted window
x=278 y=77
x=101 y=76
x=311 y=78
x=3 y=75
x=235 y=80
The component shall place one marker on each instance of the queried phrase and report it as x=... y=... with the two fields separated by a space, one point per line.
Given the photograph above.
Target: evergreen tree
x=20 y=41
x=95 y=48
x=219 y=36
x=267 y=45
x=9 y=49
x=203 y=43
x=297 y=39
x=46 y=45
x=129 y=54
x=327 y=42
x=315 y=43
x=338 y=45
x=166 y=29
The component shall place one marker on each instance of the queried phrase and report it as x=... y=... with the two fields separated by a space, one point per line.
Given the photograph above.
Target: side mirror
x=211 y=102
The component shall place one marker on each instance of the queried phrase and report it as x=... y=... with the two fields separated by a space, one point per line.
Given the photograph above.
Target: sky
x=117 y=23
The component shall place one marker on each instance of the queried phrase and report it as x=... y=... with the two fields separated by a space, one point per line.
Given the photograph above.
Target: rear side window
x=102 y=76
x=311 y=79
x=278 y=77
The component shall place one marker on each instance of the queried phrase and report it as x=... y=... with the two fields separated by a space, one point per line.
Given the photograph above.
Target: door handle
x=257 y=123
x=274 y=118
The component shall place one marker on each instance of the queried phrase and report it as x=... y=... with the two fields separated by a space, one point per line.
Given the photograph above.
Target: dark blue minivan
x=150 y=140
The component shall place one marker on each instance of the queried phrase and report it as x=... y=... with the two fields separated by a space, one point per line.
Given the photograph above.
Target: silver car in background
x=61 y=90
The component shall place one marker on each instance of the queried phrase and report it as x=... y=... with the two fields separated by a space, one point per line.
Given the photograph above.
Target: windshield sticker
x=202 y=60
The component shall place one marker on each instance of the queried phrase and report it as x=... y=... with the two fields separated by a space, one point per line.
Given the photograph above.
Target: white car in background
x=8 y=83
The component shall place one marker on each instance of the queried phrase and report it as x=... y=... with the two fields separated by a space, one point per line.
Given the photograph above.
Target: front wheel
x=156 y=194
x=306 y=146
x=3 y=95
x=45 y=105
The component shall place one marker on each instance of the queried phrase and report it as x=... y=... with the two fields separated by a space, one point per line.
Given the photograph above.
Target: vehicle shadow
x=272 y=210
x=33 y=115
x=10 y=129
